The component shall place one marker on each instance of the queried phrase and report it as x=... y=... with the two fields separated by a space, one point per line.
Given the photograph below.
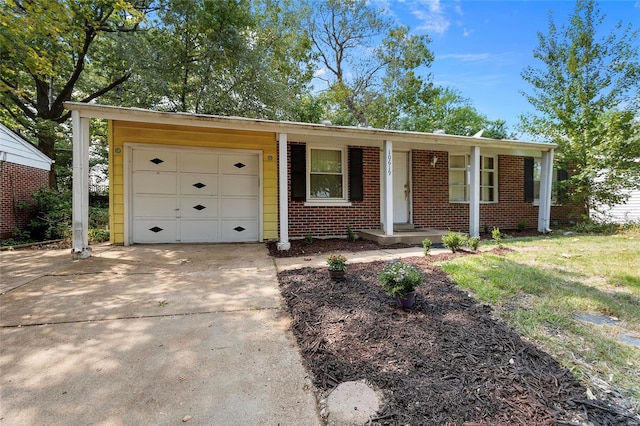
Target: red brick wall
x=431 y=197
x=17 y=182
x=333 y=221
x=431 y=206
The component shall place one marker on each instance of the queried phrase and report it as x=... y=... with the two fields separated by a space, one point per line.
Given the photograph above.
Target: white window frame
x=335 y=201
x=466 y=170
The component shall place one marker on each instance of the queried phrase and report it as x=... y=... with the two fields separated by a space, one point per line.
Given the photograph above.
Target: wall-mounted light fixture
x=434 y=160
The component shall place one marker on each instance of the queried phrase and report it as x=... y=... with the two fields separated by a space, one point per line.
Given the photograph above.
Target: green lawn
x=538 y=288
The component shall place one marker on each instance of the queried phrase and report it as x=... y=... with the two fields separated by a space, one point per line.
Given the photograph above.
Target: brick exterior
x=17 y=183
x=431 y=206
x=333 y=221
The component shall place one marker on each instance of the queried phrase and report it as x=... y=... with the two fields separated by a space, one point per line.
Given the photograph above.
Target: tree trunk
x=46 y=144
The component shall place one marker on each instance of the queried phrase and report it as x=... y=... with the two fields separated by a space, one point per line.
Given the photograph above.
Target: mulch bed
x=445 y=361
x=300 y=248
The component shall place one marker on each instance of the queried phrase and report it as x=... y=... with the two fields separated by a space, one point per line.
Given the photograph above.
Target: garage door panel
x=198 y=162
x=199 y=207
x=239 y=164
x=154 y=206
x=194 y=196
x=154 y=160
x=245 y=208
x=198 y=184
x=154 y=183
x=154 y=230
x=199 y=231
x=239 y=185
x=239 y=230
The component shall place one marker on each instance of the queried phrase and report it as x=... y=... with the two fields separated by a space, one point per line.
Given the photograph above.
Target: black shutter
x=528 y=180
x=563 y=191
x=298 y=172
x=356 y=189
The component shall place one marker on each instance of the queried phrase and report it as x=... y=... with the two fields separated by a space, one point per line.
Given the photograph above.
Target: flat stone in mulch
x=445 y=361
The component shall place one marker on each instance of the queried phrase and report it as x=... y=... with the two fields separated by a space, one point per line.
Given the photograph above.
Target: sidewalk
x=318 y=261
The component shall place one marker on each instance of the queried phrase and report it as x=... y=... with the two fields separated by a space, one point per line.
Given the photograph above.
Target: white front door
x=401 y=187
x=194 y=195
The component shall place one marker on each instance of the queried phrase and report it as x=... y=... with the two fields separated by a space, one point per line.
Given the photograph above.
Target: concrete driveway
x=161 y=334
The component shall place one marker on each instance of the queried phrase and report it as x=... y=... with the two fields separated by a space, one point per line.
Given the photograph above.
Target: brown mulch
x=445 y=361
x=300 y=248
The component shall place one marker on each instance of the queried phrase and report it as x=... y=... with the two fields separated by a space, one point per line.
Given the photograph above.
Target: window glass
x=326 y=161
x=457 y=162
x=326 y=186
x=458 y=178
x=325 y=174
x=457 y=193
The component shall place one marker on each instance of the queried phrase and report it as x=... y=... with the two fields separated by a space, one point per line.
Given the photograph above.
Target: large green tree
x=585 y=94
x=375 y=72
x=224 y=57
x=44 y=55
x=455 y=115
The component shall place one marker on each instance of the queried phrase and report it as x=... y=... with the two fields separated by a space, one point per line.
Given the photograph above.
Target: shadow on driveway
x=148 y=335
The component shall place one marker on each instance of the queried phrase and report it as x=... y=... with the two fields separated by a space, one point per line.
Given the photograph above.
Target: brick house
x=23 y=170
x=177 y=177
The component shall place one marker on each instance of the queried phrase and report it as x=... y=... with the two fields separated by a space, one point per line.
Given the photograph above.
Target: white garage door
x=194 y=196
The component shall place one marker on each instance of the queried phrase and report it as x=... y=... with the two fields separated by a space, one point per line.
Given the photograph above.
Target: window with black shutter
x=356 y=188
x=298 y=173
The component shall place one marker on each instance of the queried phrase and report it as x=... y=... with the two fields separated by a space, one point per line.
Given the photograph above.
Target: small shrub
x=522 y=225
x=426 y=246
x=98 y=235
x=337 y=262
x=308 y=239
x=351 y=236
x=486 y=228
x=51 y=214
x=453 y=241
x=473 y=243
x=398 y=278
x=497 y=236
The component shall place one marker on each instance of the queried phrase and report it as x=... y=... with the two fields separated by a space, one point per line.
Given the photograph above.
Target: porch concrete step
x=414 y=237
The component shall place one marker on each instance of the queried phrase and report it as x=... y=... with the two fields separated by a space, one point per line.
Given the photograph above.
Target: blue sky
x=481 y=47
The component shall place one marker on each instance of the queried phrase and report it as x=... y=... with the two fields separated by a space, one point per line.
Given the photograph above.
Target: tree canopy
x=586 y=98
x=375 y=72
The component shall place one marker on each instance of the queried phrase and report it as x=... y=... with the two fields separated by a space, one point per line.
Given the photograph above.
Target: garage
x=193 y=195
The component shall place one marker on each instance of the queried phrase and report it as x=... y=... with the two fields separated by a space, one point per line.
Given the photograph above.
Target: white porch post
x=474 y=195
x=387 y=183
x=283 y=204
x=546 y=188
x=80 y=202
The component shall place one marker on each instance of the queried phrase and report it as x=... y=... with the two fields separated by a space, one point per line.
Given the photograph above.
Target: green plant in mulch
x=454 y=241
x=398 y=278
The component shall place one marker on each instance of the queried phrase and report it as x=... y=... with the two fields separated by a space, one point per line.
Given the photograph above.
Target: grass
x=545 y=282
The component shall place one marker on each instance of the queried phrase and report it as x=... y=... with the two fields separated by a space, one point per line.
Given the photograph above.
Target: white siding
x=14 y=149
x=622 y=213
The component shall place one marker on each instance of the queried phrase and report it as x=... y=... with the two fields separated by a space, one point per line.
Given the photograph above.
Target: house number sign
x=389 y=163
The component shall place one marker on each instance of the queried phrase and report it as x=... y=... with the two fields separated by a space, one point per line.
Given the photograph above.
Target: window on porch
x=459 y=167
x=326 y=177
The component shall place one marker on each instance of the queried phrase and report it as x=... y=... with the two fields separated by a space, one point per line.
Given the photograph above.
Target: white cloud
x=466 y=57
x=432 y=14
x=466 y=32
x=320 y=72
x=637 y=4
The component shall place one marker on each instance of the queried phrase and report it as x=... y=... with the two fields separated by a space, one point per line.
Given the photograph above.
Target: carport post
x=474 y=195
x=546 y=188
x=80 y=201
x=387 y=184
x=283 y=208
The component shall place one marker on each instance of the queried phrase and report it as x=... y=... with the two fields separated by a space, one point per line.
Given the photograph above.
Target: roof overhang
x=310 y=132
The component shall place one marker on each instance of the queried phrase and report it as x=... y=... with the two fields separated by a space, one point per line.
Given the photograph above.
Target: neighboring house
x=621 y=213
x=178 y=177
x=23 y=170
